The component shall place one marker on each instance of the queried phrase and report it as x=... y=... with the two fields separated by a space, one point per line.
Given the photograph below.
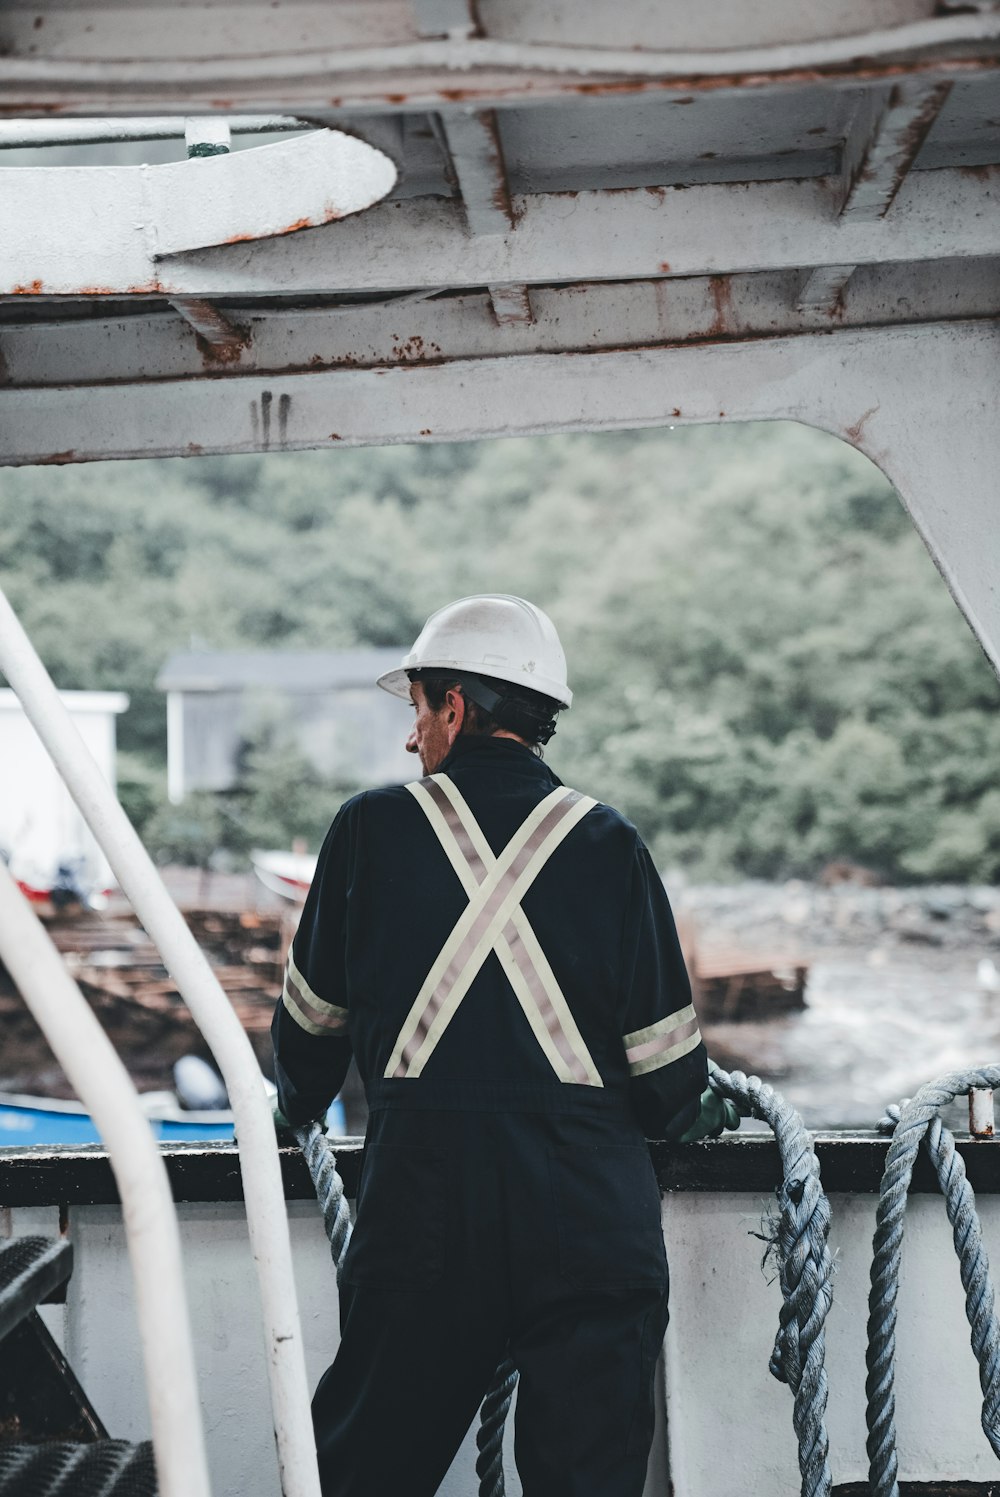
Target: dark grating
x=110 y=1468
x=18 y=1255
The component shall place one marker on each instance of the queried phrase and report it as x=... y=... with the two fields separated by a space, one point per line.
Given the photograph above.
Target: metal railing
x=212 y=1012
x=104 y=1086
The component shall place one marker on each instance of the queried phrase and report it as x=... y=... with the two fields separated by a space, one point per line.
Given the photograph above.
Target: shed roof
x=284 y=670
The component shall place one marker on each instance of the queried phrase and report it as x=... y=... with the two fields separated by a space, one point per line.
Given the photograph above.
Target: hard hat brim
x=396 y=682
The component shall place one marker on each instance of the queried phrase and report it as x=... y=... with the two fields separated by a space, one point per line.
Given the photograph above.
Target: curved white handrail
x=103 y=1085
x=265 y=1201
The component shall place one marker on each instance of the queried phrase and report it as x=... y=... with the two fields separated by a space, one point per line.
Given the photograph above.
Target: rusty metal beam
x=883 y=143
x=511 y=305
x=221 y=339
x=87 y=72
x=823 y=289
x=714 y=229
x=912 y=398
x=121 y=348
x=472 y=141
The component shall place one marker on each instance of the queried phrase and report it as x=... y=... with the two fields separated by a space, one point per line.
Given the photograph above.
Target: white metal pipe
x=265 y=1202
x=900 y=46
x=981 y=1118
x=104 y=1086
x=22 y=134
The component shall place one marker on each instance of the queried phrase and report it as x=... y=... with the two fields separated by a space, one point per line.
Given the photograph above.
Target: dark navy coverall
x=499 y=1206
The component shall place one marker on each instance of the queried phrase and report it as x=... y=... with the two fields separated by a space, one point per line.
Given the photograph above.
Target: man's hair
x=515 y=709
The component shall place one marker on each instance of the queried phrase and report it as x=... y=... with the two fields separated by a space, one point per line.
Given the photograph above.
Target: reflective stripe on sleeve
x=310 y=1012
x=660 y=1043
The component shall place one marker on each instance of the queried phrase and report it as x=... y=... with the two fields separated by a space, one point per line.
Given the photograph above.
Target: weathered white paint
x=982 y=1114
x=684 y=231
x=149 y=1223
x=724 y=1314
x=18 y=134
x=919 y=401
x=226 y=1038
x=472 y=140
x=144 y=52
x=83 y=228
x=723 y=1319
x=883 y=142
x=40 y=825
x=151 y=343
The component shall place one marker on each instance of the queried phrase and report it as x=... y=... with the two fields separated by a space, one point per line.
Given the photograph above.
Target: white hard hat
x=490 y=634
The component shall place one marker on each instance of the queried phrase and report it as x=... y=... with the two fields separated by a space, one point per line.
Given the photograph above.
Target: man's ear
x=455 y=702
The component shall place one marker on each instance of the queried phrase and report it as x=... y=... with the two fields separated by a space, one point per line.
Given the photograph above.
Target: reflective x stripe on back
x=495 y=921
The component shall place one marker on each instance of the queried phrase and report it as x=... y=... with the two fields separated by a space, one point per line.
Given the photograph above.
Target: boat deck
x=724 y=1312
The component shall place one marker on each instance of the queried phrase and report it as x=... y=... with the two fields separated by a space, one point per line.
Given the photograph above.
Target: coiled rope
x=322 y=1163
x=805 y=1270
x=917 y=1122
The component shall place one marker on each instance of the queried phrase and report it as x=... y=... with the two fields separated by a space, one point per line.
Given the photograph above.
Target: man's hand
x=286 y=1130
x=714 y=1114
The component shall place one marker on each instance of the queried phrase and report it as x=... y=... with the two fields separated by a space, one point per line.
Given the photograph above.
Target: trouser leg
x=584 y=1420
x=411 y=1371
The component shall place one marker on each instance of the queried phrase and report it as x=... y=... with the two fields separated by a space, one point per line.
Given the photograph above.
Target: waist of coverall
x=467 y=1094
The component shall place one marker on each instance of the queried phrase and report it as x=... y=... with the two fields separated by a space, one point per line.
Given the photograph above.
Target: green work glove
x=714 y=1114
x=286 y=1130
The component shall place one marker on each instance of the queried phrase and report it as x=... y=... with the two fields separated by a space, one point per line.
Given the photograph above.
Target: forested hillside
x=770 y=674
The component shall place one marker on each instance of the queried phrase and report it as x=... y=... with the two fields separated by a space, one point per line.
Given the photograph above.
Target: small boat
x=47 y=1120
x=286 y=873
x=26 y=1120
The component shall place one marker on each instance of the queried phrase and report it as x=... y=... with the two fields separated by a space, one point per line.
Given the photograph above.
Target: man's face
x=433 y=733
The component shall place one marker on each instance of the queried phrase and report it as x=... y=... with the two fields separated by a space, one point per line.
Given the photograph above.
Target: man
x=499 y=954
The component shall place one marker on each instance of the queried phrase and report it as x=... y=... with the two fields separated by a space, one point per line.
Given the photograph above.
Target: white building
x=40 y=826
x=324 y=701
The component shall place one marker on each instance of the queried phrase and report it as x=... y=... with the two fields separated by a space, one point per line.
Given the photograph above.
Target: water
x=903 y=987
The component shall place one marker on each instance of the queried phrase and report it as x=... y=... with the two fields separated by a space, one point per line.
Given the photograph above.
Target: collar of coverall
x=475 y=750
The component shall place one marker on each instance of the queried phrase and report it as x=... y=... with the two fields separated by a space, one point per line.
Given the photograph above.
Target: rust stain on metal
x=980 y=173
x=227 y=352
x=912 y=137
x=410 y=348
x=57 y=458
x=665 y=266
x=424 y=92
x=722 y=296
x=335 y=436
x=500 y=196
x=31 y=288
x=425 y=431
x=854 y=432
x=300 y=223
x=194 y=449
x=676 y=411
